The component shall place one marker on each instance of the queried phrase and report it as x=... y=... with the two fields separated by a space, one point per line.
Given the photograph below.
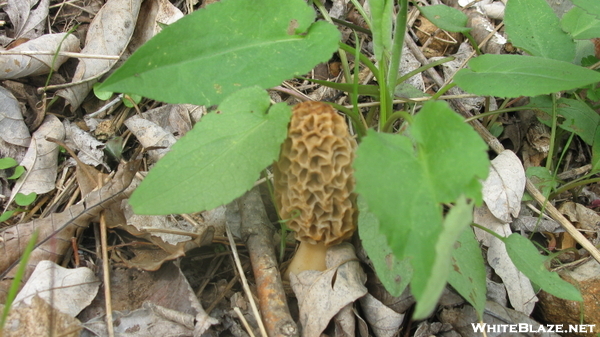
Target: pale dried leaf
x=57 y=230
x=321 y=295
x=174 y=118
x=150 y=135
x=166 y=222
x=18 y=66
x=40 y=319
x=586 y=218
x=504 y=186
x=27 y=22
x=108 y=34
x=344 y=322
x=153 y=13
x=519 y=289
x=12 y=126
x=41 y=159
x=384 y=321
x=68 y=290
x=90 y=149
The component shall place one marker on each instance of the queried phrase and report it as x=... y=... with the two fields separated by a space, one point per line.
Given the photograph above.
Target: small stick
x=257 y=232
x=244 y=321
x=106 y=272
x=247 y=290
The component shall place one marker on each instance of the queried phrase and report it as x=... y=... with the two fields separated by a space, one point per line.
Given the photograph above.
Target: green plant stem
x=552 y=135
x=573 y=185
x=443 y=90
x=14 y=286
x=398 y=43
x=394 y=117
x=473 y=42
x=385 y=96
x=495 y=112
x=361 y=128
x=365 y=60
x=498 y=236
x=352 y=26
x=423 y=68
x=362 y=12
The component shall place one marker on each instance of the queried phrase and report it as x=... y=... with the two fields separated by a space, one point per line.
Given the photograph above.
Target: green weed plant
x=230 y=52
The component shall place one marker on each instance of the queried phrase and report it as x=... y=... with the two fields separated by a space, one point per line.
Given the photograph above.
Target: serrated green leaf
x=219 y=159
x=393 y=273
x=532 y=26
x=18 y=172
x=428 y=290
x=446 y=18
x=467 y=275
x=25 y=199
x=213 y=52
x=516 y=75
x=580 y=24
x=6 y=163
x=529 y=261
x=446 y=160
x=590 y=6
x=575 y=116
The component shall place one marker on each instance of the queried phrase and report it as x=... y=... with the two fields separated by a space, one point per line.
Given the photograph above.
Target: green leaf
x=575 y=116
x=19 y=170
x=543 y=179
x=516 y=75
x=130 y=100
x=382 y=23
x=468 y=271
x=596 y=153
x=446 y=159
x=101 y=95
x=219 y=159
x=529 y=261
x=580 y=24
x=213 y=52
x=6 y=163
x=532 y=26
x=428 y=291
x=590 y=6
x=6 y=215
x=25 y=199
x=446 y=18
x=393 y=273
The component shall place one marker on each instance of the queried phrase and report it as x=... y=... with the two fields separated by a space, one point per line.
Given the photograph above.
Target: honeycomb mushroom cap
x=313 y=177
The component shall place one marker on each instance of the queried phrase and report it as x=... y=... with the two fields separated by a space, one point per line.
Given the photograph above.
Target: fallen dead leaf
x=504 y=186
x=12 y=126
x=28 y=21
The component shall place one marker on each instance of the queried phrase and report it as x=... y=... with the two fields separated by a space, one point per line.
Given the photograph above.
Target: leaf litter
x=200 y=293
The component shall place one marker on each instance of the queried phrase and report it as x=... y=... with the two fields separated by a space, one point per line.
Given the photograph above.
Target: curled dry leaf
x=153 y=14
x=108 y=34
x=41 y=159
x=90 y=149
x=504 y=186
x=27 y=21
x=321 y=295
x=12 y=126
x=56 y=231
x=18 y=66
x=151 y=135
x=40 y=319
x=384 y=321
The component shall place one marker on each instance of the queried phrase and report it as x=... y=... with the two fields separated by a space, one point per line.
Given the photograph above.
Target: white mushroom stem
x=309 y=256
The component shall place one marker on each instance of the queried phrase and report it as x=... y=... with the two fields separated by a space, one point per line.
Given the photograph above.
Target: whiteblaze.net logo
x=524 y=327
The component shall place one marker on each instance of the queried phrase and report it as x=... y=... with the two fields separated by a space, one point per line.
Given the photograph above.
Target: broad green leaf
x=130 y=100
x=468 y=271
x=229 y=45
x=532 y=26
x=393 y=273
x=446 y=18
x=25 y=199
x=219 y=159
x=543 y=179
x=590 y=6
x=101 y=95
x=529 y=261
x=404 y=184
x=596 y=153
x=6 y=215
x=574 y=116
x=18 y=172
x=516 y=75
x=382 y=27
x=428 y=291
x=6 y=163
x=580 y=24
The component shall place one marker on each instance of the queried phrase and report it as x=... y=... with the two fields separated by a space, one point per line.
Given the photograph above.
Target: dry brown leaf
x=40 y=319
x=585 y=217
x=151 y=135
x=18 y=66
x=322 y=295
x=384 y=321
x=27 y=22
x=12 y=126
x=504 y=186
x=57 y=230
x=152 y=14
x=41 y=159
x=90 y=149
x=108 y=34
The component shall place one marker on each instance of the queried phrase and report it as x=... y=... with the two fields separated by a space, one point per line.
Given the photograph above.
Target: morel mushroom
x=314 y=183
